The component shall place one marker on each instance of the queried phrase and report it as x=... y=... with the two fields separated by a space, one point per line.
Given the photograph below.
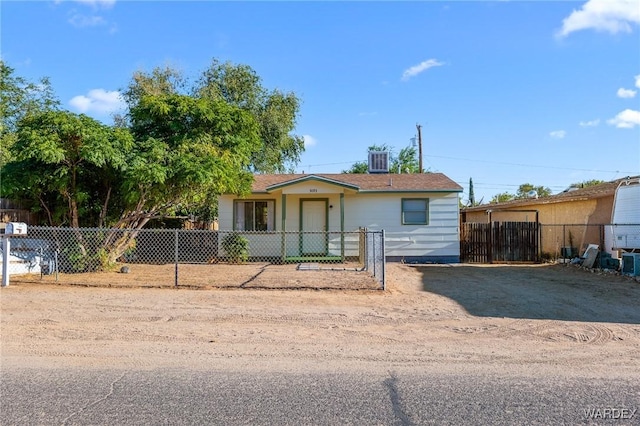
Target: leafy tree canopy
x=502 y=197
x=586 y=183
x=526 y=188
x=60 y=160
x=274 y=111
x=523 y=192
x=19 y=98
x=177 y=148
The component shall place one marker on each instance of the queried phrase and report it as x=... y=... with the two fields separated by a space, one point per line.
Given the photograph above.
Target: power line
x=529 y=165
x=491 y=162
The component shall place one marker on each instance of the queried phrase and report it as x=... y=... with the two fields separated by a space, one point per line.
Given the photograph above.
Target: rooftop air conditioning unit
x=378 y=162
x=631 y=264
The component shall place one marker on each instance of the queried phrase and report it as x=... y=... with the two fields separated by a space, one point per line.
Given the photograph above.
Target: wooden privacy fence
x=500 y=242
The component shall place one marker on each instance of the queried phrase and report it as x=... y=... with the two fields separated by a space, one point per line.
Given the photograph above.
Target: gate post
x=6 y=248
x=384 y=261
x=176 y=255
x=490 y=235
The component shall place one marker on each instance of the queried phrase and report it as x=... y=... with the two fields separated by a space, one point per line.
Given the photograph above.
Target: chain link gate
x=375 y=255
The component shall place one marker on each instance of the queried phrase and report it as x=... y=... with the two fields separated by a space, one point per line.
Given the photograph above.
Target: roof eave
x=386 y=191
x=277 y=186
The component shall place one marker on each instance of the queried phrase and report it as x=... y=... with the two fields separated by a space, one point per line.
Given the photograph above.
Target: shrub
x=237 y=247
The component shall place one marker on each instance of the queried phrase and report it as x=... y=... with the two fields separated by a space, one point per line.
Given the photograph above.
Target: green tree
x=586 y=183
x=274 y=111
x=175 y=150
x=472 y=197
x=19 y=98
x=502 y=198
x=524 y=191
x=405 y=162
x=62 y=163
x=58 y=160
x=359 y=167
x=526 y=188
x=186 y=150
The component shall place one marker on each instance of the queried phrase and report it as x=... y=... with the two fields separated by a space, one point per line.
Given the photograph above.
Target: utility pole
x=419 y=127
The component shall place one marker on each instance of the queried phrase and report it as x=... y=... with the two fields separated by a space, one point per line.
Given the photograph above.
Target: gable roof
x=606 y=189
x=307 y=178
x=384 y=182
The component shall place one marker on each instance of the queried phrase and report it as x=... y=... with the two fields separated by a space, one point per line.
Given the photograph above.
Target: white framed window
x=254 y=215
x=415 y=211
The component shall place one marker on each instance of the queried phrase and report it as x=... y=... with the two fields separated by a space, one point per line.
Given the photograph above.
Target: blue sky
x=506 y=92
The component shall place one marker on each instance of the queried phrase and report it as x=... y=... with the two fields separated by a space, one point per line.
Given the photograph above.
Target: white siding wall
x=384 y=211
x=440 y=238
x=225 y=212
x=267 y=245
x=271 y=245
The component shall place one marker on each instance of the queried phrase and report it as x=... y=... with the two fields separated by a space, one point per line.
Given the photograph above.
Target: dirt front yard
x=257 y=275
x=505 y=319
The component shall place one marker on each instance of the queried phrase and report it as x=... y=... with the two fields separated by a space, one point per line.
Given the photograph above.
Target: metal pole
x=342 y=226
x=176 y=255
x=283 y=243
x=55 y=254
x=419 y=127
x=384 y=261
x=41 y=261
x=6 y=247
x=373 y=255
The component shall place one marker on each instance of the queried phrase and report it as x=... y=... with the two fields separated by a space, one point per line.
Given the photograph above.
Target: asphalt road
x=184 y=397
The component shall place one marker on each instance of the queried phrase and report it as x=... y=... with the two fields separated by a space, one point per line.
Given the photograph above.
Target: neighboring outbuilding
x=418 y=212
x=573 y=218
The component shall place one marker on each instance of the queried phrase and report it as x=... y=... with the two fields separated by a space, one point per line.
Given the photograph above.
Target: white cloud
x=421 y=67
x=626 y=93
x=98 y=3
x=558 y=134
x=612 y=16
x=638 y=81
x=98 y=101
x=590 y=123
x=309 y=141
x=92 y=19
x=81 y=21
x=627 y=119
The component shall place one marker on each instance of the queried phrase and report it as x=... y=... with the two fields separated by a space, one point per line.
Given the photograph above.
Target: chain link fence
x=571 y=240
x=200 y=258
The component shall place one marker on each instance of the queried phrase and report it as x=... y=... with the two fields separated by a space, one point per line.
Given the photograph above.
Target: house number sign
x=313 y=190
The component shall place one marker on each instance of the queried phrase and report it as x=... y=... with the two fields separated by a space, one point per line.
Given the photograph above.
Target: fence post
x=283 y=247
x=384 y=262
x=6 y=249
x=373 y=252
x=176 y=256
x=362 y=248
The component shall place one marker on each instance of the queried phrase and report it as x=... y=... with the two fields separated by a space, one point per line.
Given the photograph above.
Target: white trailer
x=624 y=231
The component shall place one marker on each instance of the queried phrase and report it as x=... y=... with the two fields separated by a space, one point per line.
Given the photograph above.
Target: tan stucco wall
x=560 y=218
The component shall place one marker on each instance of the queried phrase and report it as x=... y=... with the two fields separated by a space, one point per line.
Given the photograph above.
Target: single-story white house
x=320 y=215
